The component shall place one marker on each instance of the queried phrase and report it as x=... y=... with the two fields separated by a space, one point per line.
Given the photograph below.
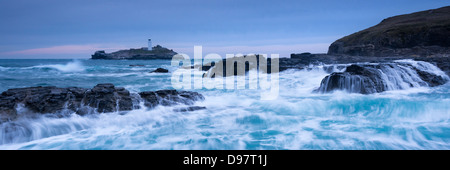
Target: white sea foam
x=111 y=74
x=236 y=119
x=424 y=66
x=73 y=66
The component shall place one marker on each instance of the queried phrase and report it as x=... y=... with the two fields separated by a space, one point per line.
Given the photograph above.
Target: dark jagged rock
x=169 y=97
x=160 y=70
x=304 y=60
x=100 y=99
x=103 y=97
x=101 y=54
x=424 y=33
x=298 y=61
x=375 y=78
x=157 y=52
x=442 y=62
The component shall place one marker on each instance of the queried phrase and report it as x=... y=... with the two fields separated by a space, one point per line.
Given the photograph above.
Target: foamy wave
x=414 y=118
x=74 y=66
x=422 y=65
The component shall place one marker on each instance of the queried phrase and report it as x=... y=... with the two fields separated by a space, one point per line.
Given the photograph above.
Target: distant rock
x=420 y=34
x=160 y=70
x=157 y=52
x=102 y=98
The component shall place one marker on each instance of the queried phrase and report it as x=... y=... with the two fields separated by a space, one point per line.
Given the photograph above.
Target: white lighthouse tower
x=149 y=44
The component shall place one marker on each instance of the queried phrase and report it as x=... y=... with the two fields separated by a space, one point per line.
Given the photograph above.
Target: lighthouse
x=149 y=44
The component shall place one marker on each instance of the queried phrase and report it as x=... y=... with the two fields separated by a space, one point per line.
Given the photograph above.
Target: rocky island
x=157 y=52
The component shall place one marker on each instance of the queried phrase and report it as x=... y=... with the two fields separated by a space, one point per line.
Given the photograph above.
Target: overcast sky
x=75 y=29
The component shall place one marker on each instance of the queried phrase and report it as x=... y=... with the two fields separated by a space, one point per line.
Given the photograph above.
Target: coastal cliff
x=419 y=34
x=157 y=52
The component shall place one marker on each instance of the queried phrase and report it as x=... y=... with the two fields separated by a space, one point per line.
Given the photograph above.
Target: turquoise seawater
x=414 y=118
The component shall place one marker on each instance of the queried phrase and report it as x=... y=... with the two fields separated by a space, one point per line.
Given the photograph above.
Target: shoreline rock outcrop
x=160 y=70
x=102 y=98
x=157 y=52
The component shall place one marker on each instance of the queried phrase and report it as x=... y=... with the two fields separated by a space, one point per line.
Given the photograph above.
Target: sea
x=299 y=118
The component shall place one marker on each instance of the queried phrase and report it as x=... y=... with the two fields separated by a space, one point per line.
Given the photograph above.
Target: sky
x=77 y=28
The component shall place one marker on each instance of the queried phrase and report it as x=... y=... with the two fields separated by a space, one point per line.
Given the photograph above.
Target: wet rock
x=107 y=98
x=42 y=99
